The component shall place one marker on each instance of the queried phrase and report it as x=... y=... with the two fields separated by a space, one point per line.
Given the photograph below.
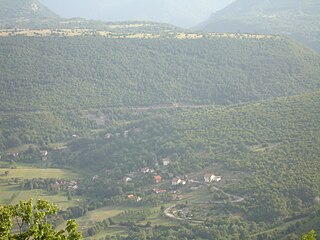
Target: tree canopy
x=28 y=221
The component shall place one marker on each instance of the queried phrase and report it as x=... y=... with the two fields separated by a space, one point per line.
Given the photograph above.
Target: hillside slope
x=298 y=19
x=272 y=146
x=13 y=13
x=96 y=72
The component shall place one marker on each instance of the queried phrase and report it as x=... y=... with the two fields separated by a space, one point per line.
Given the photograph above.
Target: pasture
x=11 y=192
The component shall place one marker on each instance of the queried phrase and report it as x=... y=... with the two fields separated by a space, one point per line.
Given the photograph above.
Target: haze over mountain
x=32 y=14
x=183 y=13
x=24 y=11
x=297 y=19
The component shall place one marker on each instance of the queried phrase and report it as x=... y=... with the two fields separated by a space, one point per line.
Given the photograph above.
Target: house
x=183 y=182
x=131 y=196
x=126 y=133
x=146 y=170
x=157 y=179
x=44 y=153
x=158 y=190
x=107 y=136
x=209 y=177
x=166 y=161
x=13 y=154
x=72 y=188
x=176 y=192
x=134 y=198
x=177 y=197
x=127 y=179
x=175 y=181
x=73 y=182
x=218 y=179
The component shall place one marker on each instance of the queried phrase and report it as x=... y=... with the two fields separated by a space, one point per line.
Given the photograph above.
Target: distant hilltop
x=297 y=19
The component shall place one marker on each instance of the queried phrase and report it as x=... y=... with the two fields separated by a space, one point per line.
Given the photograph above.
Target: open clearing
x=102 y=213
x=11 y=194
x=30 y=173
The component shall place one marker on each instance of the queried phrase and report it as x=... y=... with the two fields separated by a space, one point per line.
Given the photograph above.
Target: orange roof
x=157 y=177
x=131 y=196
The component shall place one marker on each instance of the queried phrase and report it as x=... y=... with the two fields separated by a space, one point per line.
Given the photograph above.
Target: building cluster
x=161 y=180
x=64 y=185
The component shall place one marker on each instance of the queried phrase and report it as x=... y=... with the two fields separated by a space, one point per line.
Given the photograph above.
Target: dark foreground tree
x=25 y=221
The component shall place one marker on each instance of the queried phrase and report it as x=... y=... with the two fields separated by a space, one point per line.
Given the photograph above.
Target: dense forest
x=47 y=83
x=83 y=73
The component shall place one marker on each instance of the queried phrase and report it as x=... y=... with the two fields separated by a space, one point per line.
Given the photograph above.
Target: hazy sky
x=183 y=13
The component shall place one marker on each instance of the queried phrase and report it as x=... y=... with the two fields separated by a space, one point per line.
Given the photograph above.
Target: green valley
x=145 y=131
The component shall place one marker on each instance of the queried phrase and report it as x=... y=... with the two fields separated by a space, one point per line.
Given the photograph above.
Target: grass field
x=101 y=214
x=10 y=192
x=30 y=173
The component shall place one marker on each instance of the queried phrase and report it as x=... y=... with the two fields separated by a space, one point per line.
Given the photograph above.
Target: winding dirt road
x=170 y=213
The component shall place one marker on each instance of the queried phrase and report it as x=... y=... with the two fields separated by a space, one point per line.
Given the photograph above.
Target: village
x=167 y=183
x=163 y=181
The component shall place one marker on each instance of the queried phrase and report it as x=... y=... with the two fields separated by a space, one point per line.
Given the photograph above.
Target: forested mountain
x=96 y=72
x=15 y=12
x=297 y=19
x=178 y=12
x=47 y=82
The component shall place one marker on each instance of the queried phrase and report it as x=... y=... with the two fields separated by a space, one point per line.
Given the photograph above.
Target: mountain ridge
x=177 y=12
x=25 y=9
x=299 y=20
x=23 y=13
